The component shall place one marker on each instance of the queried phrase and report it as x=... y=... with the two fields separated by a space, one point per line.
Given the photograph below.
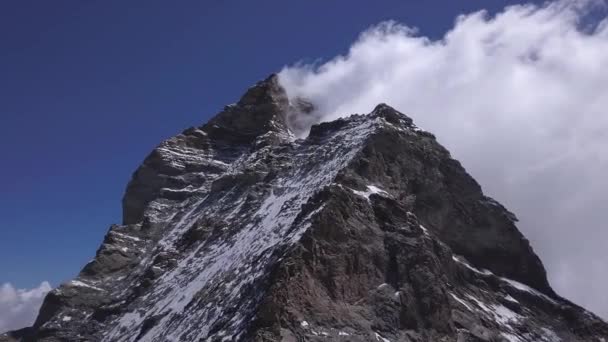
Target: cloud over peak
x=520 y=98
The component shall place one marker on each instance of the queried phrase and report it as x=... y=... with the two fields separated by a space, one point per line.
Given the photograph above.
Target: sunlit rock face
x=364 y=230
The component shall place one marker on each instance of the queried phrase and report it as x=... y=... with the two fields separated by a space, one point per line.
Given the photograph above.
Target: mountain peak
x=263 y=108
x=392 y=115
x=366 y=230
x=265 y=91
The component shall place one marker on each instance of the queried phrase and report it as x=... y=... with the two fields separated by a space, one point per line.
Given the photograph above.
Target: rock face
x=367 y=230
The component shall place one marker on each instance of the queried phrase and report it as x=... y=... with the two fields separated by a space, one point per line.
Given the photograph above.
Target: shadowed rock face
x=367 y=230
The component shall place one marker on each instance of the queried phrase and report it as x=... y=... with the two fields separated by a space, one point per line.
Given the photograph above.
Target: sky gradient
x=89 y=88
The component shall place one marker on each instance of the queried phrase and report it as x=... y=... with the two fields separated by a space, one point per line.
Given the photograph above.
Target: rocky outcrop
x=366 y=230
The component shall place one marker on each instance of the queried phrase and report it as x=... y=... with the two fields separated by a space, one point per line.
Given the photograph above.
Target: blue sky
x=88 y=88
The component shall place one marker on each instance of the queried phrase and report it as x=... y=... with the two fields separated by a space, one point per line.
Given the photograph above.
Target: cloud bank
x=19 y=307
x=521 y=98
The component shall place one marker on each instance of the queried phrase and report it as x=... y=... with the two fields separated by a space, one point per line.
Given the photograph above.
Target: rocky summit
x=365 y=230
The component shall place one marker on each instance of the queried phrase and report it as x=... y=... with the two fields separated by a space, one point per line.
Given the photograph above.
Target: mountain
x=366 y=230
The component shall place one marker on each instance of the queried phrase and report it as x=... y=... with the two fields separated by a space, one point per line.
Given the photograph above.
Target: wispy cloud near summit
x=520 y=98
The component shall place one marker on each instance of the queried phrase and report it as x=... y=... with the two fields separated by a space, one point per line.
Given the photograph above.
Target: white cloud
x=19 y=307
x=521 y=98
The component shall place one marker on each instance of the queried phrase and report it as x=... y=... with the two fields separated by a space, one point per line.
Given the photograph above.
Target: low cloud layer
x=521 y=98
x=18 y=307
